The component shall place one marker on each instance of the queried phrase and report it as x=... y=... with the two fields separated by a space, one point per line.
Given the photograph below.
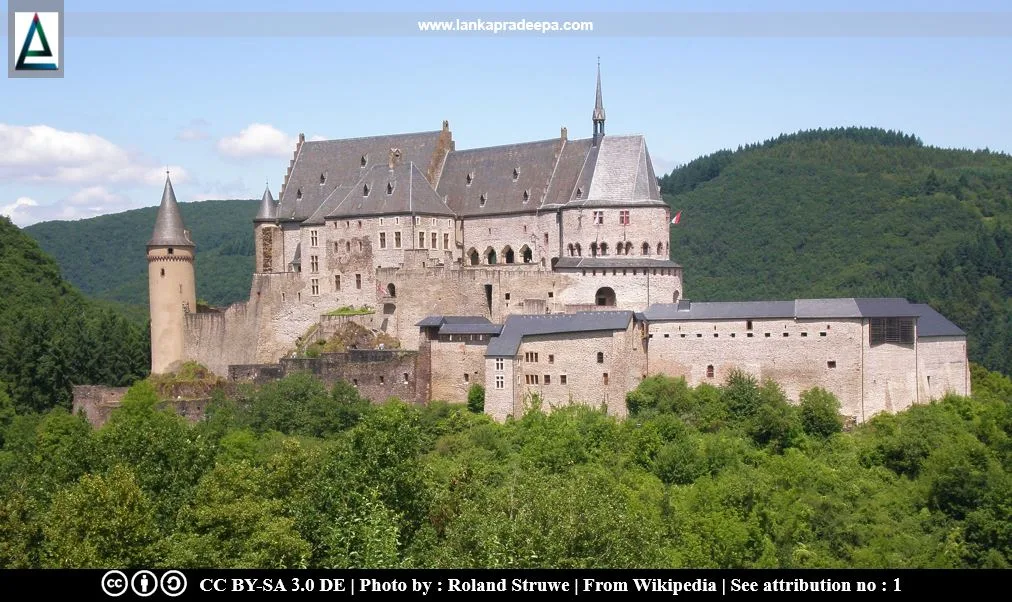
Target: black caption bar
x=210 y=584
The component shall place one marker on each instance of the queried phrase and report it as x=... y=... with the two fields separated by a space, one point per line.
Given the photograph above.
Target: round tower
x=172 y=290
x=267 y=238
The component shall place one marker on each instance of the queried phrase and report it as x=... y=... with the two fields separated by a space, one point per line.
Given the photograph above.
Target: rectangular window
x=421 y=240
x=433 y=221
x=418 y=221
x=358 y=280
x=315 y=285
x=314 y=263
x=449 y=223
x=498 y=364
x=397 y=240
x=337 y=282
x=598 y=218
x=336 y=248
x=381 y=221
x=532 y=379
x=467 y=377
x=405 y=378
x=891 y=330
x=446 y=241
x=382 y=381
x=548 y=379
x=500 y=382
x=551 y=358
x=606 y=379
x=831 y=364
x=435 y=240
x=623 y=217
x=397 y=221
x=383 y=240
x=562 y=379
x=531 y=357
x=313 y=238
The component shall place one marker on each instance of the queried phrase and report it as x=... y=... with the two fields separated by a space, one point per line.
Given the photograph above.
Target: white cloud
x=258 y=140
x=87 y=202
x=39 y=153
x=317 y=138
x=19 y=211
x=196 y=130
x=217 y=190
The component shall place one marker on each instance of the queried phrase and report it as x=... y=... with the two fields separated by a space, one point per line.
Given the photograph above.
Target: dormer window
x=365 y=190
x=298 y=194
x=579 y=193
x=390 y=187
x=516 y=173
x=323 y=179
x=482 y=199
x=470 y=177
x=527 y=195
x=365 y=159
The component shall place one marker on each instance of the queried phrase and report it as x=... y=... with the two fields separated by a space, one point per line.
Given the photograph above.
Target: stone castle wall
x=942 y=367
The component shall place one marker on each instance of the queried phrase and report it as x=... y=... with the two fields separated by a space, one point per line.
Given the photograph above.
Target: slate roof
x=340 y=161
x=168 y=230
x=518 y=326
x=430 y=321
x=470 y=329
x=491 y=172
x=576 y=155
x=622 y=173
x=409 y=192
x=930 y=323
x=616 y=261
x=268 y=208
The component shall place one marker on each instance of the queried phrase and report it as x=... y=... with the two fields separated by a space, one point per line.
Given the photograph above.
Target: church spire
x=268 y=210
x=169 y=223
x=598 y=108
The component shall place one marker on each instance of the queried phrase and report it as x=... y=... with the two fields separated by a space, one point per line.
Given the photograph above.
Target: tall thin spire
x=598 y=107
x=169 y=229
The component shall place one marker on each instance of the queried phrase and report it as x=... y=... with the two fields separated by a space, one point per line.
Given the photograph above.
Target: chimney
x=564 y=134
x=446 y=125
x=302 y=137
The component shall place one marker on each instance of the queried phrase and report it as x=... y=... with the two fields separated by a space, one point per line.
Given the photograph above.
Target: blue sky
x=223 y=111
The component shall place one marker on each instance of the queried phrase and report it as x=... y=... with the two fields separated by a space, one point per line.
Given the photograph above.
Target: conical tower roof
x=169 y=229
x=268 y=209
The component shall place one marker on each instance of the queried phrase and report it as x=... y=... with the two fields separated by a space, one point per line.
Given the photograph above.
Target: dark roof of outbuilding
x=519 y=326
x=930 y=323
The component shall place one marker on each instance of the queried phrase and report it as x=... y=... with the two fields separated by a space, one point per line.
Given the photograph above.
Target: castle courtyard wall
x=942 y=367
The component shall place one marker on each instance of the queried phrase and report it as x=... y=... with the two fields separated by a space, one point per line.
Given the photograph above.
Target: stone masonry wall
x=942 y=367
x=451 y=361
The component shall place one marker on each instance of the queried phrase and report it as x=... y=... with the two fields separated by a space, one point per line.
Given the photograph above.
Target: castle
x=534 y=267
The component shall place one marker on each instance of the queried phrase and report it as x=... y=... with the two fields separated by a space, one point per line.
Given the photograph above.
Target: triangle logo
x=36 y=28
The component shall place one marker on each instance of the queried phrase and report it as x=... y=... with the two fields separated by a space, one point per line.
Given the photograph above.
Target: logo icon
x=35 y=30
x=36 y=45
x=115 y=583
x=173 y=583
x=144 y=583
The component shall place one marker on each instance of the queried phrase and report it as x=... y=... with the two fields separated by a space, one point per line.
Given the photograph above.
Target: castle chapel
x=466 y=256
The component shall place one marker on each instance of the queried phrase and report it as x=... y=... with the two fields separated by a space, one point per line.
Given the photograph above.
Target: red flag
x=678 y=218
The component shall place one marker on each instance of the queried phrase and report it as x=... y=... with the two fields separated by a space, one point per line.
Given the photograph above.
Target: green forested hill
x=52 y=337
x=853 y=211
x=104 y=256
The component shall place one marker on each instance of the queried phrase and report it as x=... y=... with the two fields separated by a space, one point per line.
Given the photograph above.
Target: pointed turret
x=598 y=108
x=169 y=229
x=268 y=209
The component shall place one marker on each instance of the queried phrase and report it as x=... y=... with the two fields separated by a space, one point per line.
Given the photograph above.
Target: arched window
x=526 y=254
x=490 y=257
x=660 y=248
x=646 y=248
x=391 y=290
x=579 y=250
x=618 y=248
x=473 y=256
x=605 y=297
x=572 y=250
x=604 y=248
x=593 y=249
x=507 y=254
x=628 y=248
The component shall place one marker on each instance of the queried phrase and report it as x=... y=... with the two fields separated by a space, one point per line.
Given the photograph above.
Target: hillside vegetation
x=296 y=475
x=52 y=337
x=104 y=256
x=853 y=212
